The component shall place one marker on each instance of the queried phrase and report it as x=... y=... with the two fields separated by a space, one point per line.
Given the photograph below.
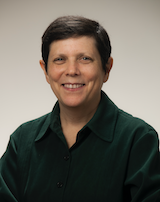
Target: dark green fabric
x=115 y=159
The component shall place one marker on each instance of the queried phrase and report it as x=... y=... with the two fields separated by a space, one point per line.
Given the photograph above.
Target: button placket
x=59 y=184
x=66 y=158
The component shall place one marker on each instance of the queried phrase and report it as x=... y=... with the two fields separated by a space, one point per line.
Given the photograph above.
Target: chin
x=73 y=103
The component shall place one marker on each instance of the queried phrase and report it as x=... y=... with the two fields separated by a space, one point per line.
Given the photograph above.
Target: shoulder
x=130 y=121
x=36 y=122
x=133 y=128
x=30 y=129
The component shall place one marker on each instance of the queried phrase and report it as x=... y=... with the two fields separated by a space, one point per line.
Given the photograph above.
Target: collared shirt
x=115 y=159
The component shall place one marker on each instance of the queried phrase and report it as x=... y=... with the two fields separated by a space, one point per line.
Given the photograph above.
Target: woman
x=86 y=149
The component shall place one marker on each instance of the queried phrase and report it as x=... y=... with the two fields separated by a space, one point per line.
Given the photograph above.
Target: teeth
x=73 y=85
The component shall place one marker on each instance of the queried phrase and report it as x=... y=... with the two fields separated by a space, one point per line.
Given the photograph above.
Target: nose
x=72 y=69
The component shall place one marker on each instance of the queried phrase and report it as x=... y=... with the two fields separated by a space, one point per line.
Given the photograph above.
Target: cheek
x=94 y=76
x=98 y=81
x=54 y=75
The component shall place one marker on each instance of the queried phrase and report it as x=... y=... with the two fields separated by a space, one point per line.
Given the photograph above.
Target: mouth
x=73 y=86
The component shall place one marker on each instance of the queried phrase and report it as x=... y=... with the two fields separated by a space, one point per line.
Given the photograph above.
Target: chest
x=91 y=171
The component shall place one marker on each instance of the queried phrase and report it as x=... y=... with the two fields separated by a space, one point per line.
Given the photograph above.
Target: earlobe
x=105 y=77
x=109 y=64
x=108 y=68
x=43 y=66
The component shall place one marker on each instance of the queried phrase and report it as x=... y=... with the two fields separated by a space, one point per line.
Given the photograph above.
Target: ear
x=108 y=68
x=43 y=66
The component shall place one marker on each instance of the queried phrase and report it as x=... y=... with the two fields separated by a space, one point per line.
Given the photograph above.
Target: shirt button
x=59 y=184
x=66 y=158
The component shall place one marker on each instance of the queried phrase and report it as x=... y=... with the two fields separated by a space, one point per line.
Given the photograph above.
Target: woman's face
x=75 y=72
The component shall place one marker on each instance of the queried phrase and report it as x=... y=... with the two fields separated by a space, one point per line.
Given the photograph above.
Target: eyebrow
x=77 y=55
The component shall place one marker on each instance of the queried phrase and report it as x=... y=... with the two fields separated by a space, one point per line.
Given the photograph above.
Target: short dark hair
x=74 y=26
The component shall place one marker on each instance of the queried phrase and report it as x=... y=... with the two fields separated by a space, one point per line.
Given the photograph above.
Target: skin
x=76 y=76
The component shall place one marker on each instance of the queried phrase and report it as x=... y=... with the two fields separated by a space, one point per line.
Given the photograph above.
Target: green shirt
x=115 y=159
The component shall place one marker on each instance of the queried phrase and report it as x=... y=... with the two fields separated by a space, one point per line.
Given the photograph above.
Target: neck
x=77 y=116
x=73 y=119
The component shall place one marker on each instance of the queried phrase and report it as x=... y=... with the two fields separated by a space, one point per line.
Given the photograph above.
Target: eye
x=58 y=60
x=85 y=59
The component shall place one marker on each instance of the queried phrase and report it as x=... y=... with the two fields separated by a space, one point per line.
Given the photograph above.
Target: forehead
x=82 y=43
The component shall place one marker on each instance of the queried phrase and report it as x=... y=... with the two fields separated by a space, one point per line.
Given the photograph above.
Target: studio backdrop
x=134 y=82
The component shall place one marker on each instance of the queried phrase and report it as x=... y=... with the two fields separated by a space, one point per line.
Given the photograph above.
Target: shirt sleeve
x=9 y=174
x=143 y=176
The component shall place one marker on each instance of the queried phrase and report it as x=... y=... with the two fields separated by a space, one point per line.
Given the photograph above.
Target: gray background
x=134 y=30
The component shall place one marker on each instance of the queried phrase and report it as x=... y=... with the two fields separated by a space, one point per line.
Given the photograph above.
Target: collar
x=104 y=120
x=102 y=123
x=51 y=121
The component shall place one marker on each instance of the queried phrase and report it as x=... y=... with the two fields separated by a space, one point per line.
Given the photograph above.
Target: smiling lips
x=73 y=86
